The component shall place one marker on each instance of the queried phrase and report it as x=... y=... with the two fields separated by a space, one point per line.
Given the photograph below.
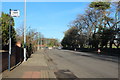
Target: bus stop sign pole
x=12 y=13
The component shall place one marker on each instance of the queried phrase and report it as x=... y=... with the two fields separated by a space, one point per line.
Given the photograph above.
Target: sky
x=55 y=0
x=49 y=18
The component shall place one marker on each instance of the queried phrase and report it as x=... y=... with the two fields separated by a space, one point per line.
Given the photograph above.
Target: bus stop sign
x=15 y=13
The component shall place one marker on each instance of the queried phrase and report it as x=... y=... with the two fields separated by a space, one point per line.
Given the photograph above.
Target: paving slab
x=35 y=67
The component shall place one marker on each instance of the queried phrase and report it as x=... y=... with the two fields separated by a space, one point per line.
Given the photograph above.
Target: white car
x=50 y=48
x=59 y=47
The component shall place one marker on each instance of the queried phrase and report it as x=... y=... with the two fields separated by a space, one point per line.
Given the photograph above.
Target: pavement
x=35 y=67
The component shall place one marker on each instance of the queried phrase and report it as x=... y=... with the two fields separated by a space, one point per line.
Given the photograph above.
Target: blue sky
x=49 y=18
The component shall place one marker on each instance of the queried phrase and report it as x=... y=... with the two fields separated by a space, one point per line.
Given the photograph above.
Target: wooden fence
x=16 y=57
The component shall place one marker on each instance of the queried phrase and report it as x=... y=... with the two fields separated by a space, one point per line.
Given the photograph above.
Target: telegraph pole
x=25 y=30
x=41 y=41
x=38 y=40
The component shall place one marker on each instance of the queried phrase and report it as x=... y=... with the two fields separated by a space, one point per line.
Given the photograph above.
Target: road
x=81 y=65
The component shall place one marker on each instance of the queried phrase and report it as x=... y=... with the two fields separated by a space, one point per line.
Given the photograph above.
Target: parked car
x=50 y=48
x=59 y=47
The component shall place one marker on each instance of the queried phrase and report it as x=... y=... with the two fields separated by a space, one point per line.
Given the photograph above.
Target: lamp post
x=24 y=30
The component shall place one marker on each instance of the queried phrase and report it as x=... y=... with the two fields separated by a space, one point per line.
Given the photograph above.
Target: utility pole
x=41 y=41
x=38 y=40
x=25 y=30
x=46 y=42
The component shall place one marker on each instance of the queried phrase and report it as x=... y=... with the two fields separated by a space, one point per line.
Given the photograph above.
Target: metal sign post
x=9 y=44
x=13 y=13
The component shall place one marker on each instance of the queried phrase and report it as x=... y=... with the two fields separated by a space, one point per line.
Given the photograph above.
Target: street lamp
x=25 y=30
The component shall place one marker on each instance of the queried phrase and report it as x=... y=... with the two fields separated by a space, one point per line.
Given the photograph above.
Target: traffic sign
x=15 y=13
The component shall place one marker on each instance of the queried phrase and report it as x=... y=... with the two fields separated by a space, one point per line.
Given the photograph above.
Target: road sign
x=15 y=13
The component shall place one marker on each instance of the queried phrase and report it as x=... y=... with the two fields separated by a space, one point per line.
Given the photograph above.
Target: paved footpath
x=34 y=67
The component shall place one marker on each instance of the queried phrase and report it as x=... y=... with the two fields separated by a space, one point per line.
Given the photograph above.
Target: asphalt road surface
x=68 y=63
